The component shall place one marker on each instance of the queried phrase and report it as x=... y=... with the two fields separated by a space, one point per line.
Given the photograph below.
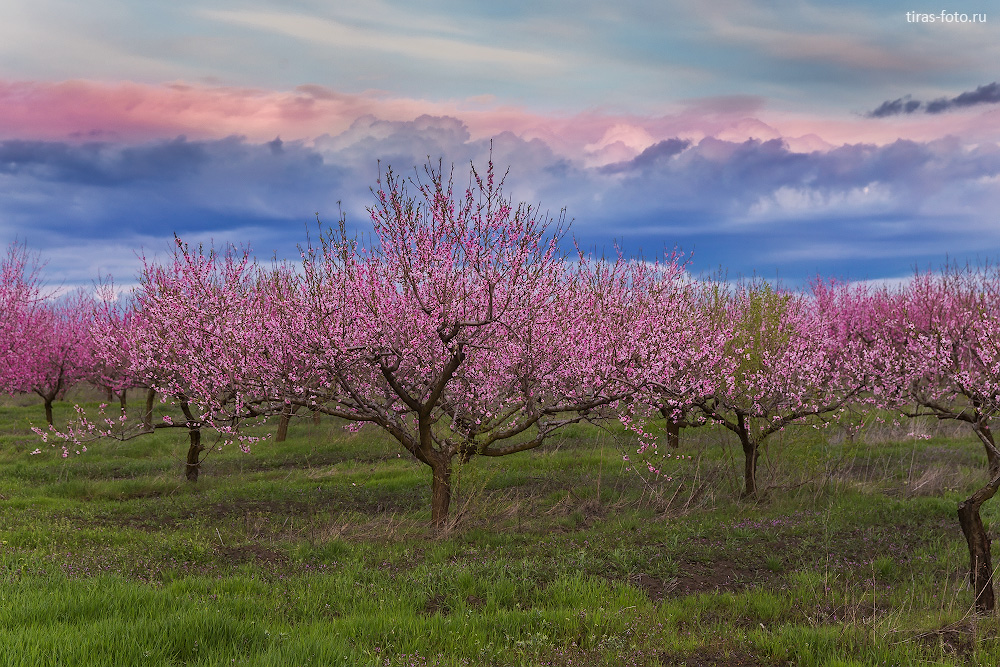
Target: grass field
x=319 y=551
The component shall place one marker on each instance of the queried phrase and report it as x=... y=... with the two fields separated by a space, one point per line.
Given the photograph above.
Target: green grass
x=318 y=551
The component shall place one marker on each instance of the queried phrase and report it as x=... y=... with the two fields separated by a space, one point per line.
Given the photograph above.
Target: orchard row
x=462 y=330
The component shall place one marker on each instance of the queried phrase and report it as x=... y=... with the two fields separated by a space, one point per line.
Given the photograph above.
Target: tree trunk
x=193 y=455
x=673 y=434
x=195 y=449
x=110 y=393
x=751 y=452
x=992 y=460
x=282 y=433
x=440 y=492
x=980 y=560
x=47 y=398
x=122 y=398
x=147 y=415
x=673 y=428
x=286 y=417
x=316 y=415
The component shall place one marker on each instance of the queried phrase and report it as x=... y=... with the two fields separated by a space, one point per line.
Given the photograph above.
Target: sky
x=786 y=139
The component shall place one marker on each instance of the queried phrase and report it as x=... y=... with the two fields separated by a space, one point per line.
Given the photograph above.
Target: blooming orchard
x=461 y=329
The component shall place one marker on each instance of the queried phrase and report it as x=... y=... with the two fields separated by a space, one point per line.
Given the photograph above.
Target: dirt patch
x=436 y=604
x=698 y=577
x=252 y=553
x=957 y=639
x=656 y=589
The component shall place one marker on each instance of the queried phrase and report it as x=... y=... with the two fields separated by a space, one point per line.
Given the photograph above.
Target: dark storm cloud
x=661 y=150
x=101 y=164
x=168 y=162
x=895 y=107
x=988 y=94
x=94 y=189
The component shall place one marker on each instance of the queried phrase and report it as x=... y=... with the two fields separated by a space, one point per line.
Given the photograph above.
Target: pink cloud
x=132 y=111
x=86 y=110
x=972 y=126
x=89 y=110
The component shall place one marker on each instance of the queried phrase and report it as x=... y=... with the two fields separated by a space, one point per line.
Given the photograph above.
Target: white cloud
x=795 y=202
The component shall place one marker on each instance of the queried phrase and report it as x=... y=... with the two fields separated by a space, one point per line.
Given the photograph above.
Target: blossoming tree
x=61 y=348
x=459 y=330
x=190 y=333
x=940 y=325
x=19 y=300
x=783 y=360
x=946 y=328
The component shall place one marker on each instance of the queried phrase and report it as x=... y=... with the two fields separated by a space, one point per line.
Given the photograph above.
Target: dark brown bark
x=286 y=417
x=194 y=455
x=195 y=448
x=751 y=452
x=978 y=540
x=440 y=464
x=316 y=415
x=673 y=433
x=147 y=415
x=990 y=445
x=440 y=491
x=673 y=428
x=123 y=399
x=47 y=398
x=282 y=433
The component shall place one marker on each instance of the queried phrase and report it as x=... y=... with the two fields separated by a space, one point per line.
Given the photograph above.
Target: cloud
x=725 y=175
x=988 y=94
x=895 y=107
x=129 y=113
x=662 y=150
x=761 y=206
x=94 y=111
x=107 y=190
x=101 y=164
x=743 y=203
